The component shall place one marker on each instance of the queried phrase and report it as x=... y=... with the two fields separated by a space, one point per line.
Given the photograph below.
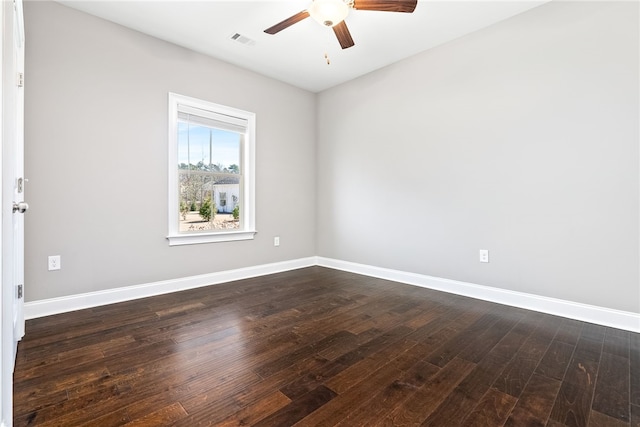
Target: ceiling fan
x=331 y=13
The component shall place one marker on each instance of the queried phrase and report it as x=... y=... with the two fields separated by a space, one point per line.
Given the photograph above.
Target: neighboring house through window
x=211 y=172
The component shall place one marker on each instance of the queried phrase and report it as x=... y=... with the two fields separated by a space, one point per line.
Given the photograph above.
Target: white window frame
x=247 y=213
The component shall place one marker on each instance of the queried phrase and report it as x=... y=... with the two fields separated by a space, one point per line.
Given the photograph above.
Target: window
x=211 y=172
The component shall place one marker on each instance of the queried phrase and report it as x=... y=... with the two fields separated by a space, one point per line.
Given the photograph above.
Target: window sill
x=195 y=239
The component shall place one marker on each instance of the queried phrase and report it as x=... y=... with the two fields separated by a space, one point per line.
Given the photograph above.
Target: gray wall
x=521 y=138
x=96 y=156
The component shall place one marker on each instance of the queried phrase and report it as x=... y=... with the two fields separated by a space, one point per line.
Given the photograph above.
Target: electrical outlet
x=276 y=241
x=54 y=262
x=484 y=255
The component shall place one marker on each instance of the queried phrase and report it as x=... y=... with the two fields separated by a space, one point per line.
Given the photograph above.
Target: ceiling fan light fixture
x=329 y=12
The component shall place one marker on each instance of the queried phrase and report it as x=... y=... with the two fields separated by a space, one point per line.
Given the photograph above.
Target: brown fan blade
x=343 y=35
x=287 y=22
x=407 y=6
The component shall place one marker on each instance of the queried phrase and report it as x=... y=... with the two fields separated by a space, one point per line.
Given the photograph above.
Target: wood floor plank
x=315 y=347
x=428 y=397
x=25 y=411
x=162 y=417
x=424 y=314
x=493 y=410
x=116 y=418
x=87 y=355
x=344 y=404
x=573 y=405
x=593 y=332
x=635 y=416
x=616 y=342
x=309 y=382
x=230 y=401
x=257 y=391
x=556 y=359
x=467 y=396
x=611 y=395
x=391 y=396
x=475 y=385
x=137 y=386
x=60 y=414
x=584 y=364
x=299 y=408
x=346 y=344
x=518 y=371
x=274 y=366
x=459 y=342
x=634 y=365
x=355 y=373
x=535 y=403
x=218 y=404
x=452 y=410
x=251 y=414
x=569 y=331
x=477 y=349
x=64 y=379
x=600 y=420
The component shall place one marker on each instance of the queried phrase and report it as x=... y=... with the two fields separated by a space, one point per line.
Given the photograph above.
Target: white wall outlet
x=276 y=241
x=484 y=255
x=54 y=262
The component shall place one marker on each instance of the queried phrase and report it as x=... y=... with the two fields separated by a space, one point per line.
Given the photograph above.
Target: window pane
x=226 y=151
x=209 y=167
x=208 y=149
x=209 y=201
x=209 y=171
x=183 y=146
x=199 y=144
x=208 y=145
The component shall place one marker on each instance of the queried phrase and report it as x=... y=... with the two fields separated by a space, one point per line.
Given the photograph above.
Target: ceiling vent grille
x=239 y=38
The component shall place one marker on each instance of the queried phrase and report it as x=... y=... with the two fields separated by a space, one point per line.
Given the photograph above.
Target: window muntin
x=211 y=172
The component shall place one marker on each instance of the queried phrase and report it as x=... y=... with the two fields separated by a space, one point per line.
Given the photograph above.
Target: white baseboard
x=572 y=310
x=58 y=305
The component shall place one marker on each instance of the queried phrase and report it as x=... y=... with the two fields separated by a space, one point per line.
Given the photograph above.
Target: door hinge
x=19 y=291
x=20 y=79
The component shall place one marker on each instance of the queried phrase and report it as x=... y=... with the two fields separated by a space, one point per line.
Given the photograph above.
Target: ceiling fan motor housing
x=329 y=12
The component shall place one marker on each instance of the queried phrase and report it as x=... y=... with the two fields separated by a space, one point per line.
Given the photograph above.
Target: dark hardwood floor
x=320 y=347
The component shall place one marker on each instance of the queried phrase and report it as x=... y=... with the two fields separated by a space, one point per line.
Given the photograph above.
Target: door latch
x=19 y=291
x=20 y=207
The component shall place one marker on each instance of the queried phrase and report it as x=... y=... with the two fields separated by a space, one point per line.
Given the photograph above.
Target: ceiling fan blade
x=287 y=22
x=407 y=6
x=343 y=35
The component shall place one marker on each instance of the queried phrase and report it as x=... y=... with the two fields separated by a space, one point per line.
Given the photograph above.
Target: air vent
x=237 y=37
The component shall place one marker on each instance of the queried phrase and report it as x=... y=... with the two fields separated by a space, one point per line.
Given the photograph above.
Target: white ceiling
x=296 y=54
